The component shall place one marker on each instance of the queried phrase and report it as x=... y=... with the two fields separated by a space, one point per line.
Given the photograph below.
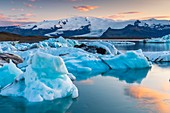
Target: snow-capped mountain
x=81 y=26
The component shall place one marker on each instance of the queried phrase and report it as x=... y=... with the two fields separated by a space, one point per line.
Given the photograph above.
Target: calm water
x=125 y=91
x=145 y=47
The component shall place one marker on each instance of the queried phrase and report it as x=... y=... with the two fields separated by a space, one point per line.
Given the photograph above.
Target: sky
x=16 y=12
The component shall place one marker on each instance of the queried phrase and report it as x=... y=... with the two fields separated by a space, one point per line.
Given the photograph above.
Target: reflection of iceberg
x=130 y=76
x=19 y=105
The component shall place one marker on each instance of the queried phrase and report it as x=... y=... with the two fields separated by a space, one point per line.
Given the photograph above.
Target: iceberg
x=164 y=39
x=103 y=48
x=128 y=60
x=79 y=61
x=46 y=78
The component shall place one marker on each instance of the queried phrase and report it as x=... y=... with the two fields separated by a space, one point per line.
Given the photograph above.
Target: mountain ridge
x=82 y=27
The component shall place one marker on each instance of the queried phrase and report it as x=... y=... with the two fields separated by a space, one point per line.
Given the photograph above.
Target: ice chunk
x=164 y=39
x=8 y=72
x=46 y=78
x=110 y=49
x=128 y=60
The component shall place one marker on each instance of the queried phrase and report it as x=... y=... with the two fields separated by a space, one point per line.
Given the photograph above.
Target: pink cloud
x=28 y=15
x=29 y=5
x=32 y=0
x=15 y=9
x=75 y=0
x=85 y=8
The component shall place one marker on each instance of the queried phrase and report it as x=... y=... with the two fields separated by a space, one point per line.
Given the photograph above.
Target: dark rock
x=92 y=49
x=6 y=57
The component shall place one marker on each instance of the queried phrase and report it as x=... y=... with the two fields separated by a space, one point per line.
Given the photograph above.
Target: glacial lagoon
x=123 y=91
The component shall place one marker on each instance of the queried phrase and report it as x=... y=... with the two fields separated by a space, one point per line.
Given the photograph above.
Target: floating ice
x=46 y=78
x=128 y=60
x=163 y=56
x=164 y=39
x=8 y=73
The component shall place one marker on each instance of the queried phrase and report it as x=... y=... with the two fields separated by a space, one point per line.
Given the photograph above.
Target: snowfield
x=49 y=66
x=96 y=26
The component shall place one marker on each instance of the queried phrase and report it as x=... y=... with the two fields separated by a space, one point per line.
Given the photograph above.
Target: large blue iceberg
x=46 y=78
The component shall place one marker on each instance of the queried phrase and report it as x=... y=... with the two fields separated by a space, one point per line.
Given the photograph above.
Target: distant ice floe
x=49 y=66
x=164 y=39
x=163 y=56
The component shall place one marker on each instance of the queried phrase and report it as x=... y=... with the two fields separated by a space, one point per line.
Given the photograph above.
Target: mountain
x=138 y=31
x=86 y=27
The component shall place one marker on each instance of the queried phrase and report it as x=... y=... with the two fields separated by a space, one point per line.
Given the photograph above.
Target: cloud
x=13 y=23
x=131 y=12
x=85 y=8
x=156 y=17
x=29 y=5
x=75 y=0
x=122 y=15
x=27 y=15
x=17 y=9
x=10 y=20
x=2 y=16
x=116 y=16
x=32 y=0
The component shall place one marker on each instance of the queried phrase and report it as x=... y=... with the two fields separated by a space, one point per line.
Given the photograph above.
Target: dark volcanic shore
x=30 y=39
x=14 y=37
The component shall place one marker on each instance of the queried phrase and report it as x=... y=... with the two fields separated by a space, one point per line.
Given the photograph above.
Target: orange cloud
x=117 y=16
x=2 y=16
x=157 y=17
x=150 y=99
x=131 y=12
x=27 y=15
x=85 y=8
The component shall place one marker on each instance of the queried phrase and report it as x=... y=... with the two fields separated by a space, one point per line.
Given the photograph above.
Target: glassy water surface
x=123 y=91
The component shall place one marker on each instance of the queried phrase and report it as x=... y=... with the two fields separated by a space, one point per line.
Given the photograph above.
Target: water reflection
x=152 y=100
x=145 y=46
x=130 y=75
x=20 y=105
